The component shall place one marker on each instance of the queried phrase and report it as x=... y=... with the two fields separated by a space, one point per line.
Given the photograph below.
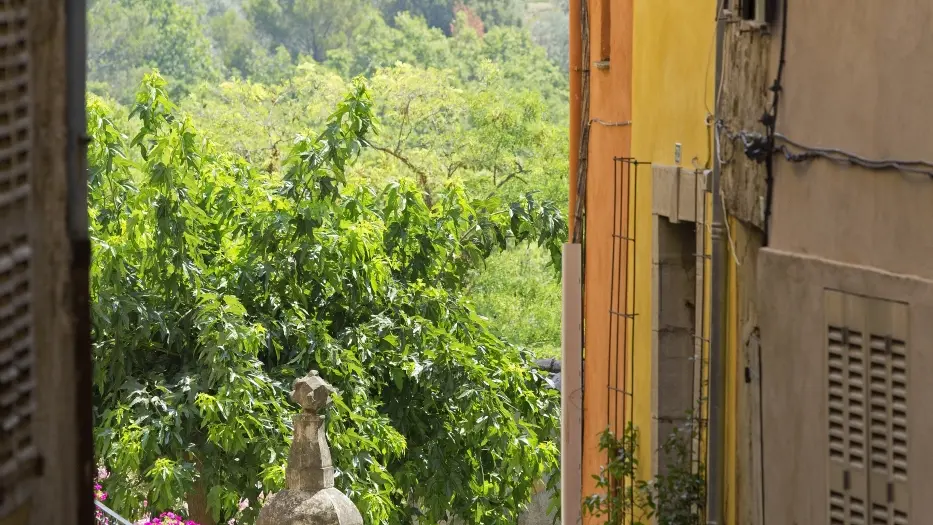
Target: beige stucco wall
x=857 y=79
x=794 y=390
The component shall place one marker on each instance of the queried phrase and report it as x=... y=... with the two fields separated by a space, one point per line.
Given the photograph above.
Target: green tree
x=498 y=12
x=524 y=66
x=308 y=27
x=241 y=53
x=521 y=297
x=550 y=29
x=216 y=283
x=437 y=13
x=128 y=37
x=410 y=40
x=497 y=141
x=440 y=14
x=491 y=137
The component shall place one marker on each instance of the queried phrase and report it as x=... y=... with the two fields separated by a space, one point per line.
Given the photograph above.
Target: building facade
x=642 y=86
x=771 y=266
x=832 y=262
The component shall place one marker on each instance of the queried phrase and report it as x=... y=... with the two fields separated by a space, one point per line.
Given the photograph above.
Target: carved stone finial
x=312 y=393
x=309 y=497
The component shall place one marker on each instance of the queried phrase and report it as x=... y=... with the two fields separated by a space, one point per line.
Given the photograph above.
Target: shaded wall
x=861 y=84
x=856 y=80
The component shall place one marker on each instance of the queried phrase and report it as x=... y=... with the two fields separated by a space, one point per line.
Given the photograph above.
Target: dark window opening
x=761 y=11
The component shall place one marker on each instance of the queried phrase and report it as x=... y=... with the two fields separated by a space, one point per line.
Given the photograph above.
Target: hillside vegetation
x=373 y=189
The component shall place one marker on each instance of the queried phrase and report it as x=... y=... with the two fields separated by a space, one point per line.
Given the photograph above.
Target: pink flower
x=102 y=473
x=99 y=493
x=243 y=504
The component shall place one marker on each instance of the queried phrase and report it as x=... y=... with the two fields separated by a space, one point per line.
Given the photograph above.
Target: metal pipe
x=576 y=79
x=715 y=481
x=75 y=52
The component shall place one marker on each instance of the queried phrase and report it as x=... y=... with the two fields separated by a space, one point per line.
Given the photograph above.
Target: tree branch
x=422 y=176
x=517 y=174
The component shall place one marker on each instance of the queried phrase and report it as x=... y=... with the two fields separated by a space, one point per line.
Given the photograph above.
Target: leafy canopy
x=128 y=37
x=216 y=282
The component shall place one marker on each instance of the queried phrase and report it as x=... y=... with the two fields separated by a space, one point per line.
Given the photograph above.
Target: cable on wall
x=755 y=146
x=769 y=119
x=583 y=151
x=610 y=124
x=805 y=153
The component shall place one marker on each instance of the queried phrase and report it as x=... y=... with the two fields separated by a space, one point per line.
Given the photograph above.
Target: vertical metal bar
x=699 y=325
x=613 y=317
x=77 y=224
x=618 y=171
x=634 y=207
x=626 y=387
x=704 y=378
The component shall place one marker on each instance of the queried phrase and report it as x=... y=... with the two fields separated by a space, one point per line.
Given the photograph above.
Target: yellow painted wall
x=672 y=94
x=732 y=374
x=672 y=79
x=662 y=79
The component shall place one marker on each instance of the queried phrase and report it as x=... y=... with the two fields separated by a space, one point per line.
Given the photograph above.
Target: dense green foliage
x=533 y=319
x=251 y=233
x=216 y=283
x=193 y=41
x=121 y=38
x=486 y=109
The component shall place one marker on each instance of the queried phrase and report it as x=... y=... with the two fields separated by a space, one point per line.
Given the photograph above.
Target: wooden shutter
x=867 y=387
x=17 y=375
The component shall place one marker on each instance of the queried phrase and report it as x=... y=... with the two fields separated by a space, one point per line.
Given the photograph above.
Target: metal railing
x=110 y=513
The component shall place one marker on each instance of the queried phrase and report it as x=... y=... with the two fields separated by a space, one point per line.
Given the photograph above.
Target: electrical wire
x=732 y=250
x=610 y=123
x=755 y=145
x=838 y=155
x=770 y=122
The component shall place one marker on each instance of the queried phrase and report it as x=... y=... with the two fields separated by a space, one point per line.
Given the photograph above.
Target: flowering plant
x=166 y=518
x=100 y=495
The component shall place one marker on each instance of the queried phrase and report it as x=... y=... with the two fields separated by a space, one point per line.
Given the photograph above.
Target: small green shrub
x=675 y=497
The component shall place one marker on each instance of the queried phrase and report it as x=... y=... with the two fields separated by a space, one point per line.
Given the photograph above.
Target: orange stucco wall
x=610 y=102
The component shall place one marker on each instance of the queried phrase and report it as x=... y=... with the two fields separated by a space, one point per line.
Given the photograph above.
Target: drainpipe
x=716 y=434
x=576 y=108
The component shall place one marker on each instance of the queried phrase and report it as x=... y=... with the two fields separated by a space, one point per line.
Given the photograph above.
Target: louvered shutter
x=867 y=388
x=17 y=376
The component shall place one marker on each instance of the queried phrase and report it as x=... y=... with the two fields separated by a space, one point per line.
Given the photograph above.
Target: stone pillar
x=309 y=497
